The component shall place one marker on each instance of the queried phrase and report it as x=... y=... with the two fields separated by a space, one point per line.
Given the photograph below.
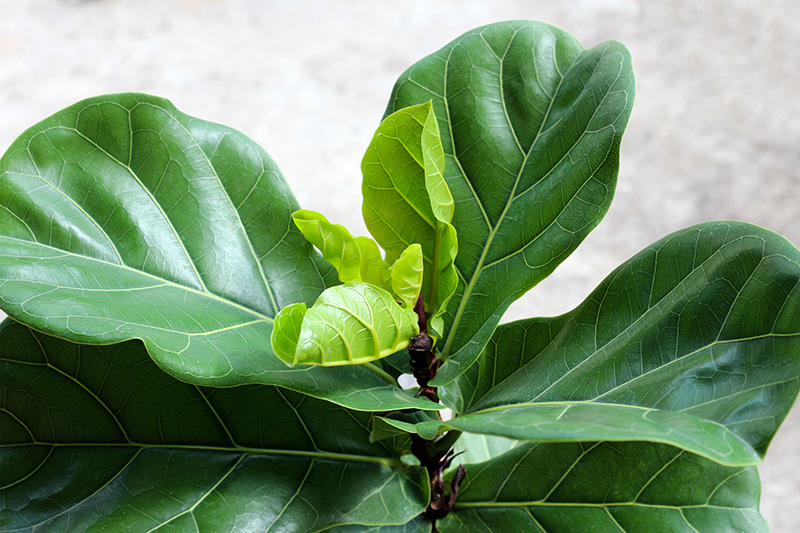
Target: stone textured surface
x=714 y=133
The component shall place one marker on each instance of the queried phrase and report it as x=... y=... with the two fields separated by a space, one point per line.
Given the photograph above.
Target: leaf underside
x=124 y=445
x=531 y=126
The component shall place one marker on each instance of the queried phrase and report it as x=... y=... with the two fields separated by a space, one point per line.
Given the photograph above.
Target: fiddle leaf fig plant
x=186 y=348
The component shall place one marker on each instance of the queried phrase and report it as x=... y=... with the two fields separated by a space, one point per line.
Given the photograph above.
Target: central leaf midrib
x=206 y=294
x=479 y=267
x=333 y=456
x=230 y=203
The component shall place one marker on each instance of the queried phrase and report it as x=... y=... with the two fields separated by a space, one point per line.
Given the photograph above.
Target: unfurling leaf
x=286 y=329
x=355 y=258
x=406 y=200
x=349 y=324
x=406 y=275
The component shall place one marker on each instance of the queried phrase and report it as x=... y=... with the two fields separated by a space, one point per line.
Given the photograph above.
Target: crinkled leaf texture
x=355 y=258
x=100 y=437
x=636 y=487
x=407 y=201
x=694 y=342
x=531 y=125
x=349 y=324
x=122 y=218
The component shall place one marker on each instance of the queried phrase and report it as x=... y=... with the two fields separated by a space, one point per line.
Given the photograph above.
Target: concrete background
x=714 y=133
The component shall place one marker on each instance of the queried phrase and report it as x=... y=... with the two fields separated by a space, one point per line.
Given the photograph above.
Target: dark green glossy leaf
x=407 y=201
x=99 y=437
x=576 y=421
x=121 y=217
x=531 y=126
x=605 y=487
x=349 y=324
x=695 y=342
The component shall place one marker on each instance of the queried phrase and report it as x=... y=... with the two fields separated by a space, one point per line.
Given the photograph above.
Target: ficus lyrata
x=189 y=349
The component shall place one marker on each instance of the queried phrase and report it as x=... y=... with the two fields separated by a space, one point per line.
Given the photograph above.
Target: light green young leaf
x=406 y=200
x=286 y=329
x=531 y=124
x=407 y=274
x=433 y=162
x=385 y=427
x=476 y=448
x=349 y=324
x=400 y=424
x=355 y=258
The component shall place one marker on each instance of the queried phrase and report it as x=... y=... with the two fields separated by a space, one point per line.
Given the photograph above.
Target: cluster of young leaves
x=180 y=355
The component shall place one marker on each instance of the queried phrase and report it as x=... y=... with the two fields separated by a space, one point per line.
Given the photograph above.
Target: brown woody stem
x=424 y=362
x=437 y=454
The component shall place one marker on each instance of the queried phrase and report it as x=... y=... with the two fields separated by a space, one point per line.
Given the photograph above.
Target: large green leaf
x=121 y=218
x=407 y=201
x=694 y=342
x=531 y=126
x=99 y=437
x=605 y=487
x=349 y=324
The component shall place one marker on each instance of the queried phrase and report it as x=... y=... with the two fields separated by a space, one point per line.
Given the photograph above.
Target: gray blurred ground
x=714 y=133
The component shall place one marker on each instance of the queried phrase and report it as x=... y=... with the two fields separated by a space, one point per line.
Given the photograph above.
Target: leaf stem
x=382 y=373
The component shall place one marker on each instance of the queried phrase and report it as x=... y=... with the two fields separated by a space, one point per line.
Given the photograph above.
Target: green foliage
x=125 y=435
x=531 y=125
x=605 y=486
x=406 y=200
x=180 y=356
x=355 y=258
x=349 y=324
